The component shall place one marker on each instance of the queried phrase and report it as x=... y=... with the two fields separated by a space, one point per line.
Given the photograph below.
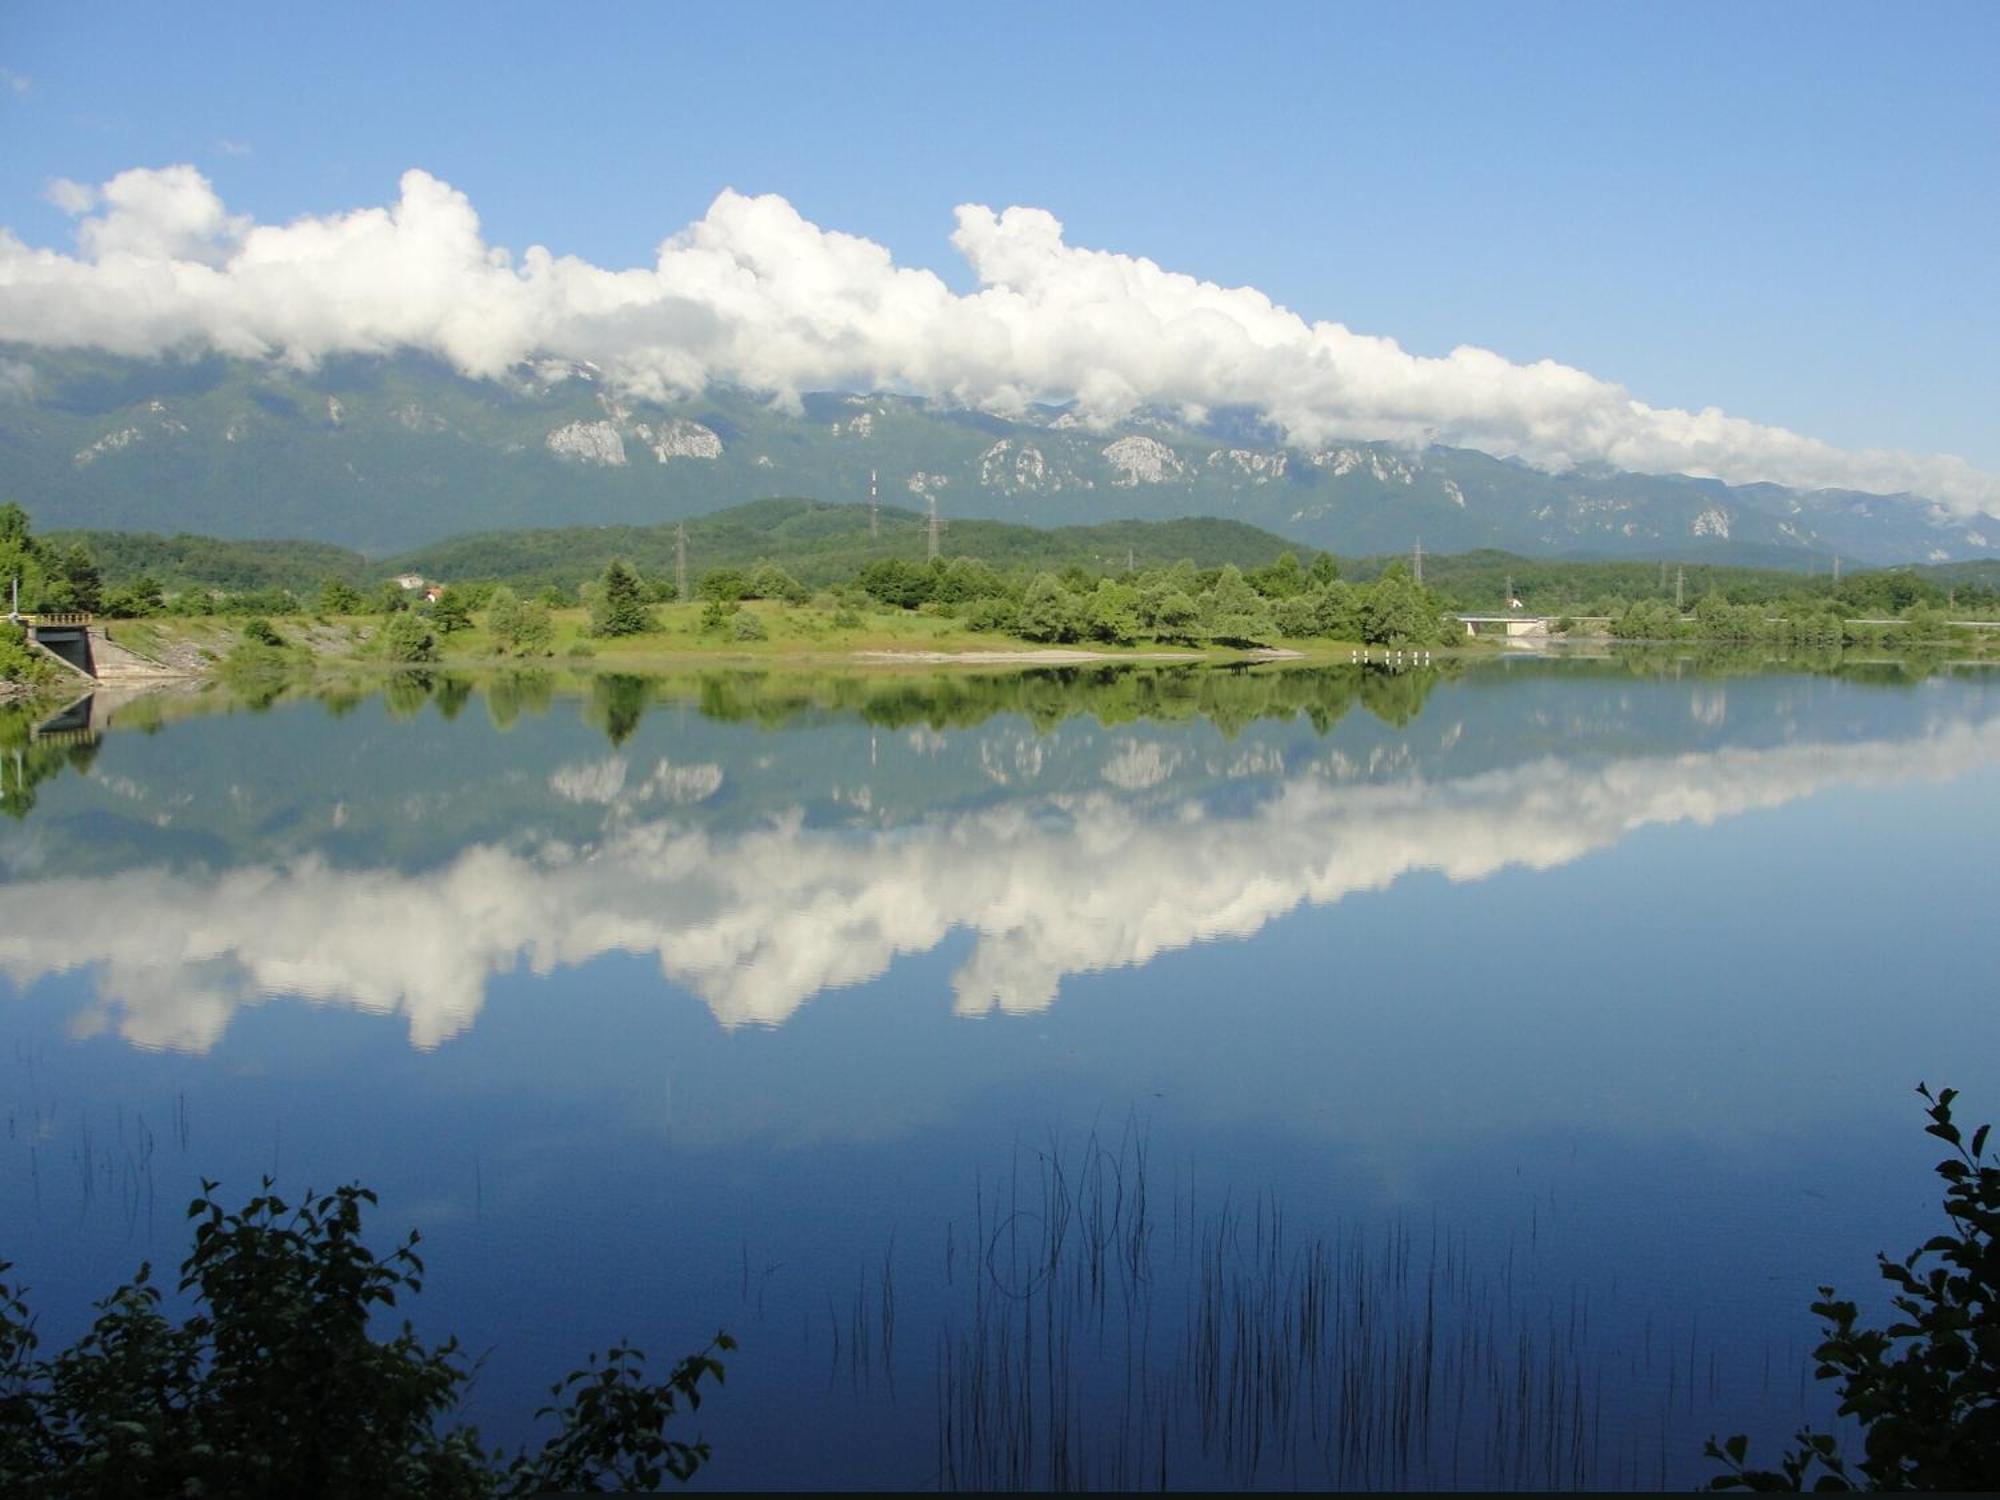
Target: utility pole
x=681 y=561
x=1836 y=567
x=931 y=547
x=874 y=516
x=1680 y=586
x=1417 y=557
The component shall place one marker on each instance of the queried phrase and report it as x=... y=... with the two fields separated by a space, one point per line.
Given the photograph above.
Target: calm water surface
x=1283 y=1077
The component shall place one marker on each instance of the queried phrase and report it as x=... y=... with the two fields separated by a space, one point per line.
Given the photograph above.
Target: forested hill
x=818 y=543
x=207 y=562
x=821 y=543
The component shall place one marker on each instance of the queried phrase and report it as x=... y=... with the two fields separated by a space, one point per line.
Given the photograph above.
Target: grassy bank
x=790 y=634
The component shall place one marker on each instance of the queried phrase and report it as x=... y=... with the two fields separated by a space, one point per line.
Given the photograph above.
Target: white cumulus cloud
x=754 y=294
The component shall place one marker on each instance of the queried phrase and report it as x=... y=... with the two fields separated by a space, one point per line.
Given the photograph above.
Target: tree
x=406 y=638
x=78 y=583
x=1296 y=616
x=503 y=617
x=1395 y=608
x=1048 y=612
x=275 y=1384
x=535 y=635
x=723 y=585
x=992 y=612
x=1324 y=570
x=893 y=581
x=140 y=599
x=1280 y=580
x=1110 y=613
x=769 y=581
x=966 y=578
x=1926 y=1390
x=1336 y=611
x=1165 y=610
x=450 y=612
x=522 y=628
x=1234 y=613
x=620 y=605
x=339 y=597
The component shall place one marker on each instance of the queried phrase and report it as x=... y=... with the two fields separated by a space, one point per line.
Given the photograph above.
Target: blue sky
x=1787 y=211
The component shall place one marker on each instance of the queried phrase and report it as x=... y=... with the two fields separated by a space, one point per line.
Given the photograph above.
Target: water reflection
x=761 y=872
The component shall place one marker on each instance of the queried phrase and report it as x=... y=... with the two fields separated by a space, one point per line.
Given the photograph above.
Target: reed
x=1091 y=1349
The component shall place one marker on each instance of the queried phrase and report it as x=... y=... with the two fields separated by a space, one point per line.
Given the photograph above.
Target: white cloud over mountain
x=754 y=294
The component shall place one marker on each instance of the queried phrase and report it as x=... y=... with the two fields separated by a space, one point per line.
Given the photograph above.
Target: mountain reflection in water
x=1162 y=843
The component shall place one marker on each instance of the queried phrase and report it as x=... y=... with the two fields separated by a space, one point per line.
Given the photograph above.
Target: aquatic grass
x=1329 y=1357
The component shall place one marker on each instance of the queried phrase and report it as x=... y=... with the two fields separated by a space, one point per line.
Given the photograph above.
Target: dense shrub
x=277 y=1384
x=1926 y=1389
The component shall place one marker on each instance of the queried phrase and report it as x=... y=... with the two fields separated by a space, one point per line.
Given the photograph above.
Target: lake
x=1266 y=1077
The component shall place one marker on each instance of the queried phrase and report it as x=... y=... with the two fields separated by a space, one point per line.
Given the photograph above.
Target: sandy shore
x=1058 y=655
x=1055 y=656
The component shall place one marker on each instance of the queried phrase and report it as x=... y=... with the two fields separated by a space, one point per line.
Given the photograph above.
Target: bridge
x=65 y=636
x=1519 y=626
x=76 y=724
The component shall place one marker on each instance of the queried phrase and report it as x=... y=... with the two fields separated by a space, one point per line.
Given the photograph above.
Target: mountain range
x=385 y=454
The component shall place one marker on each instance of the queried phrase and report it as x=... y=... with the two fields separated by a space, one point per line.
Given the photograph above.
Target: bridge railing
x=60 y=617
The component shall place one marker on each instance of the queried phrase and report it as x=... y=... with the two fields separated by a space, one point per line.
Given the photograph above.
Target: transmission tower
x=1836 y=567
x=681 y=561
x=1680 y=586
x=931 y=542
x=1417 y=558
x=874 y=514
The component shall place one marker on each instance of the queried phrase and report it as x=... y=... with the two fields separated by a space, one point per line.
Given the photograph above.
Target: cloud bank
x=755 y=295
x=759 y=922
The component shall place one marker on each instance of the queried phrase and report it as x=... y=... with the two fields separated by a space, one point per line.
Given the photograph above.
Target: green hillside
x=236 y=567
x=821 y=543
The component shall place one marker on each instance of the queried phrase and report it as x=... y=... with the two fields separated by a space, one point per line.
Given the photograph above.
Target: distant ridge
x=387 y=454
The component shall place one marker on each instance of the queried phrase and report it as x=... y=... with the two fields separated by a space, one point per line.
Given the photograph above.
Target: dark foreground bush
x=275 y=1386
x=1926 y=1390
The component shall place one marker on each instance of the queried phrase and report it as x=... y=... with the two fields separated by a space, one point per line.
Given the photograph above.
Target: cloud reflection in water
x=758 y=922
